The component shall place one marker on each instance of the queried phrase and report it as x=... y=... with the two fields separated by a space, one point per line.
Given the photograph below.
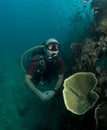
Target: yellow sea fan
x=78 y=92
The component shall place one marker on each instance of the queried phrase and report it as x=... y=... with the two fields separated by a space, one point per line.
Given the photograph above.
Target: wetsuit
x=50 y=68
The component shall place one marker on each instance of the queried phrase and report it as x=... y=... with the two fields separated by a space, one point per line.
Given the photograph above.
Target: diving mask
x=53 y=46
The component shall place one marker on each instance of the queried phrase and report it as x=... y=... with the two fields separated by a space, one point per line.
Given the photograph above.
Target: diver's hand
x=50 y=93
x=44 y=97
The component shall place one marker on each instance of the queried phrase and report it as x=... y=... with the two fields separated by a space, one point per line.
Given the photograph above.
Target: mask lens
x=50 y=46
x=53 y=47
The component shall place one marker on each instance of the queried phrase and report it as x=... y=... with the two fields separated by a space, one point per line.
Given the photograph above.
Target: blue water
x=24 y=24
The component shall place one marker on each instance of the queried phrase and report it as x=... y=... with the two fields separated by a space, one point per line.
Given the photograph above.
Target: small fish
x=95 y=12
x=96 y=7
x=92 y=10
x=88 y=0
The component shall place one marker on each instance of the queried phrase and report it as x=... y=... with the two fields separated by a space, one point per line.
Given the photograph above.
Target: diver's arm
x=59 y=82
x=33 y=87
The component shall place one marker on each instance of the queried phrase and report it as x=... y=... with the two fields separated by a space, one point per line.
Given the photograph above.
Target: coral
x=78 y=92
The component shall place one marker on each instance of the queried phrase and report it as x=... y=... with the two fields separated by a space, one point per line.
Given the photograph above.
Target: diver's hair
x=51 y=40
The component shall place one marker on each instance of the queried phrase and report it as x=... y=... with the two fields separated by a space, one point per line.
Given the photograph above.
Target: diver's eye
x=57 y=47
x=50 y=46
x=53 y=47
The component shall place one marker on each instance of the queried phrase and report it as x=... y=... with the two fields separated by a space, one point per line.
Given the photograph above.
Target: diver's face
x=52 y=51
x=50 y=55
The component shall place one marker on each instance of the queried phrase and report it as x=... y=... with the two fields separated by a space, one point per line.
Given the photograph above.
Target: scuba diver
x=46 y=64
